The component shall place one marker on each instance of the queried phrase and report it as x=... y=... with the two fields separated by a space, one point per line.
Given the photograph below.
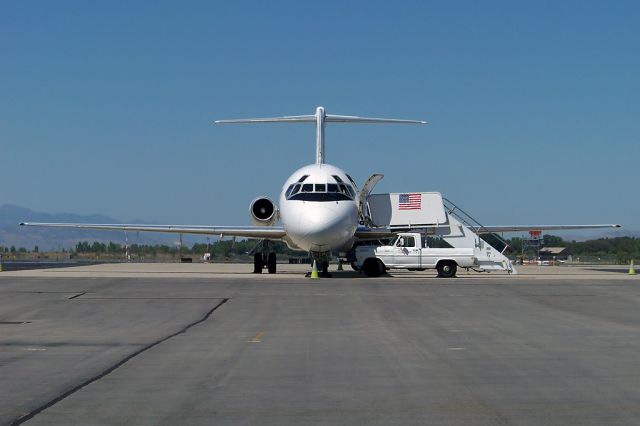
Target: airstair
x=439 y=217
x=464 y=231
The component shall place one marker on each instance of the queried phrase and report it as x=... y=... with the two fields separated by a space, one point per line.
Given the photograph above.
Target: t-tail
x=321 y=118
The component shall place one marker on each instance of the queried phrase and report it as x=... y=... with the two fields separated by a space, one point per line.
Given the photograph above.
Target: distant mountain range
x=12 y=234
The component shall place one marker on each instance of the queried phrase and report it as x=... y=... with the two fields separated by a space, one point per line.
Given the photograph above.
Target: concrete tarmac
x=167 y=347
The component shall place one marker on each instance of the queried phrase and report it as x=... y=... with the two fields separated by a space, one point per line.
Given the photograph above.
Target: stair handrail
x=476 y=226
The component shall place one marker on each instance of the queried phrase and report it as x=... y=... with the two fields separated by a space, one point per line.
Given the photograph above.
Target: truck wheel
x=447 y=269
x=271 y=263
x=354 y=266
x=373 y=268
x=257 y=263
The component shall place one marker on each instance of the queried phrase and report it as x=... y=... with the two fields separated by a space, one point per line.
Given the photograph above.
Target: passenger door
x=407 y=253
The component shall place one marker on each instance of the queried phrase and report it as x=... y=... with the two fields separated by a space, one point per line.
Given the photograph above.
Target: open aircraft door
x=363 y=198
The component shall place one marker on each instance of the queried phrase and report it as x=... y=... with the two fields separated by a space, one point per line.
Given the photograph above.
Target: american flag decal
x=410 y=202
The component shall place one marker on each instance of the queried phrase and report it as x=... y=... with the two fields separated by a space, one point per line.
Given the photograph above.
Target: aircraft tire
x=447 y=269
x=373 y=267
x=271 y=263
x=257 y=263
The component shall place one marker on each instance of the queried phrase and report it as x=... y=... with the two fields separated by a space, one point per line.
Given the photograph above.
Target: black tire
x=373 y=268
x=354 y=266
x=257 y=263
x=271 y=263
x=447 y=269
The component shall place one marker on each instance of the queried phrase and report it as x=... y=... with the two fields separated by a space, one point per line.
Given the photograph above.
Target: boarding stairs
x=464 y=231
x=439 y=217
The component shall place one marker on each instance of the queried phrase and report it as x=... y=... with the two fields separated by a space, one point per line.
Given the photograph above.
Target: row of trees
x=619 y=247
x=224 y=248
x=13 y=249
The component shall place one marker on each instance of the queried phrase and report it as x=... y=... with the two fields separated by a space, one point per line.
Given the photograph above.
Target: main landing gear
x=264 y=259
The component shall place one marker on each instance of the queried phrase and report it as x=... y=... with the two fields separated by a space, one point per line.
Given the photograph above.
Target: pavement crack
x=77 y=295
x=114 y=367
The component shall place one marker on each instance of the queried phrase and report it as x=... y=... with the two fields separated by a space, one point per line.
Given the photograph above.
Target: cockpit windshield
x=320 y=192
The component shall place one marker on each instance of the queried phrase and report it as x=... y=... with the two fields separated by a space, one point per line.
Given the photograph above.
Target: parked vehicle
x=409 y=250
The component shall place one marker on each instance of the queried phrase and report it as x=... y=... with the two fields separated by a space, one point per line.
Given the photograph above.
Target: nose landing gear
x=322 y=262
x=264 y=259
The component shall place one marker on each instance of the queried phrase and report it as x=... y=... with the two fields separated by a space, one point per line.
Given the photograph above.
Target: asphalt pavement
x=258 y=350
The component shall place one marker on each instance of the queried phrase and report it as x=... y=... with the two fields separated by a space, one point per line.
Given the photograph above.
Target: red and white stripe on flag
x=410 y=201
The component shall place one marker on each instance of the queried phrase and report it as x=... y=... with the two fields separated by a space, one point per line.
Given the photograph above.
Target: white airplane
x=320 y=209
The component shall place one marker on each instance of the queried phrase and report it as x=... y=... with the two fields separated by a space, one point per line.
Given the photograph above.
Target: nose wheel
x=264 y=259
x=322 y=263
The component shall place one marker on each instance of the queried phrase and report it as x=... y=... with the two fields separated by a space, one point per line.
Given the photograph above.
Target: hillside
x=12 y=234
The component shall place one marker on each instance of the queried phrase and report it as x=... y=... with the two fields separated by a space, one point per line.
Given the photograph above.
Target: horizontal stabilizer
x=287 y=119
x=328 y=118
x=353 y=119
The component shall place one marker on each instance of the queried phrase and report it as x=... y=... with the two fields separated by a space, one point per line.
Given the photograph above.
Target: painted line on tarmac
x=257 y=338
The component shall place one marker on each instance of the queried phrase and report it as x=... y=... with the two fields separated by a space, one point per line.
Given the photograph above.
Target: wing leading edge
x=272 y=232
x=377 y=233
x=516 y=228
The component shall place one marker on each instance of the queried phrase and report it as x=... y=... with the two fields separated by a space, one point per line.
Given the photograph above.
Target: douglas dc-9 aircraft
x=320 y=209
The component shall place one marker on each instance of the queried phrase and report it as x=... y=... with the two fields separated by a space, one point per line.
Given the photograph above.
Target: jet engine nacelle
x=263 y=212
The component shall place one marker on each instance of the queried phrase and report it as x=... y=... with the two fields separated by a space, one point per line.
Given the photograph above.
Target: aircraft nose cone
x=319 y=226
x=317 y=231
x=326 y=227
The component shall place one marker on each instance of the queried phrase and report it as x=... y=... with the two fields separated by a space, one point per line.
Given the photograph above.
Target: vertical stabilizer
x=320 y=124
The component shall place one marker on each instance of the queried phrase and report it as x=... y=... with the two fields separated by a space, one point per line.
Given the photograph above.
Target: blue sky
x=533 y=107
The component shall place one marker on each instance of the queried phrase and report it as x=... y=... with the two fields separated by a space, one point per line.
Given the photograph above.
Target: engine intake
x=263 y=211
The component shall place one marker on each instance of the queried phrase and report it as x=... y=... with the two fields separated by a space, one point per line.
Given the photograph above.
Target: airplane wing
x=270 y=232
x=378 y=233
x=510 y=228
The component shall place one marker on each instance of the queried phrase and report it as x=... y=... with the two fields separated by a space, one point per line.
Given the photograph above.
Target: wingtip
x=617 y=226
x=23 y=223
